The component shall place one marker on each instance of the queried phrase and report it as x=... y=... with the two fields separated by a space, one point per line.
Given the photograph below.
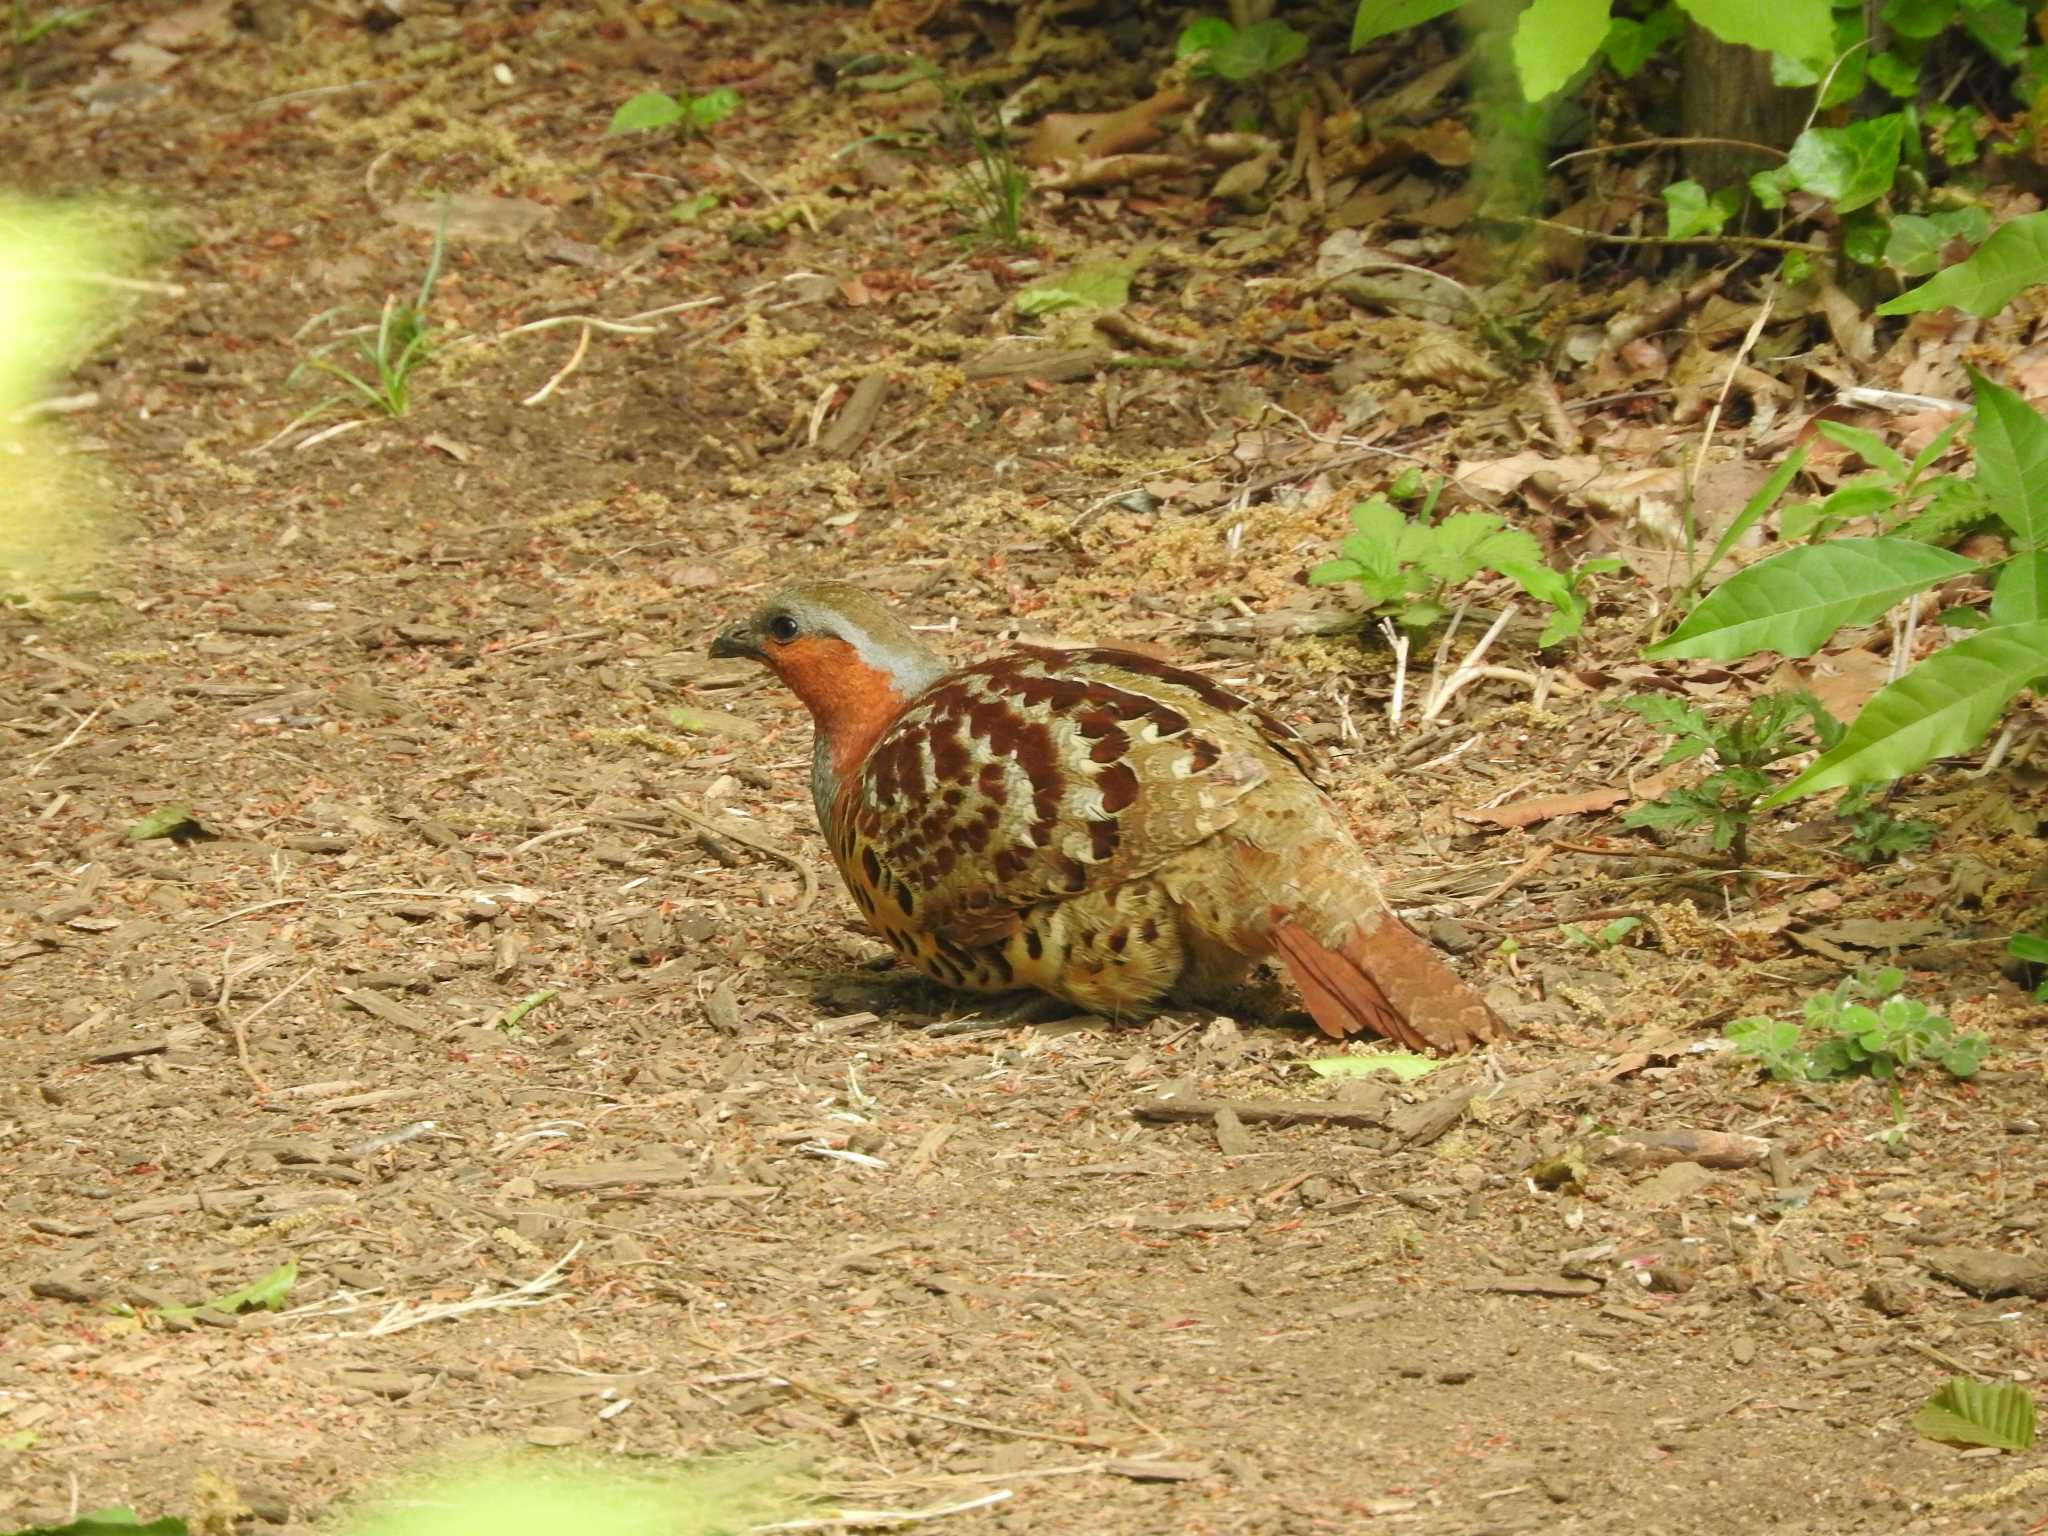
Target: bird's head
x=854 y=664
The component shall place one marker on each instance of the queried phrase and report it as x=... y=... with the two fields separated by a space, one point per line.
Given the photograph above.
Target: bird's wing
x=1044 y=774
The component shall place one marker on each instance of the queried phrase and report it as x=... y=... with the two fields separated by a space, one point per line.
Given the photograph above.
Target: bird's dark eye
x=783 y=628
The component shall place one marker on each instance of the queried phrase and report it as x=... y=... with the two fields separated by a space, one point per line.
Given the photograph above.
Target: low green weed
x=1225 y=52
x=1864 y=1026
x=688 y=114
x=2033 y=949
x=1794 y=602
x=1406 y=567
x=400 y=345
x=1744 y=747
x=25 y=31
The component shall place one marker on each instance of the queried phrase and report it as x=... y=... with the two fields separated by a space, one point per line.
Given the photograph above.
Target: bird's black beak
x=739 y=642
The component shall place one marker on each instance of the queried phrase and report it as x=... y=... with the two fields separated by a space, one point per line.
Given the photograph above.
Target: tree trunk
x=1728 y=94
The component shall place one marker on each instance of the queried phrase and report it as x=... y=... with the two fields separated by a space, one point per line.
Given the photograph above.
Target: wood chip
x=1269 y=1111
x=1532 y=1285
x=1139 y=1471
x=1987 y=1274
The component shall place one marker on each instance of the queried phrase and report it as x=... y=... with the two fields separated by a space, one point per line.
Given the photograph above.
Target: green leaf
x=266 y=1293
x=2000 y=29
x=714 y=106
x=1095 y=285
x=1757 y=505
x=1966 y=1412
x=1402 y=1064
x=1918 y=18
x=1330 y=572
x=1689 y=211
x=1379 y=18
x=1804 y=29
x=1205 y=35
x=1866 y=445
x=650 y=109
x=1629 y=44
x=1852 y=166
x=1554 y=40
x=1792 y=602
x=2013 y=259
x=2030 y=947
x=1259 y=49
x=174 y=820
x=2011 y=442
x=1896 y=73
x=1946 y=704
x=113 y=1521
x=1916 y=242
x=2021 y=593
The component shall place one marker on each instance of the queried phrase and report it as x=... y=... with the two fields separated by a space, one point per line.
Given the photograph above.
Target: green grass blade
x=1946 y=704
x=1794 y=601
x=1757 y=505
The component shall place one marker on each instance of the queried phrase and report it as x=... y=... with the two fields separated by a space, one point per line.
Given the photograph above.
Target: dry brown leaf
x=1062 y=136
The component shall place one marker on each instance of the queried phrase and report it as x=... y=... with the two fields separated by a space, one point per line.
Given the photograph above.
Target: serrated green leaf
x=1794 y=601
x=1966 y=1412
x=650 y=109
x=1402 y=1064
x=1554 y=40
x=1852 y=166
x=1803 y=29
x=1946 y=704
x=1380 y=18
x=2014 y=258
x=1330 y=572
x=2011 y=442
x=2020 y=595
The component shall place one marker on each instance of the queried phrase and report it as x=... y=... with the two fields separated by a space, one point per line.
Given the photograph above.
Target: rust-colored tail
x=1381 y=977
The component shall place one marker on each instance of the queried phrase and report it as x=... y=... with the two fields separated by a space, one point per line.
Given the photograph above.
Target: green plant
x=689 y=115
x=25 y=31
x=1793 y=602
x=995 y=184
x=1743 y=747
x=1406 y=567
x=1228 y=53
x=1876 y=836
x=1842 y=1034
x=1609 y=936
x=2033 y=949
x=400 y=344
x=1966 y=1412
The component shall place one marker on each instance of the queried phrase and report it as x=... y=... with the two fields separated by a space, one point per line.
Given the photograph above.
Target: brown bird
x=1092 y=823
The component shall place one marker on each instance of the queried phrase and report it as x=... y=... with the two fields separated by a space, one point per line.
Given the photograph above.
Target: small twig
x=1397 y=639
x=575 y=361
x=1516 y=876
x=1699 y=463
x=36 y=763
x=868 y=1517
x=242 y=1024
x=592 y=322
x=1740 y=242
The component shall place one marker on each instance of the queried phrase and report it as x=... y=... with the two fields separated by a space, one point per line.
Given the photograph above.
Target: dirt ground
x=414 y=684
